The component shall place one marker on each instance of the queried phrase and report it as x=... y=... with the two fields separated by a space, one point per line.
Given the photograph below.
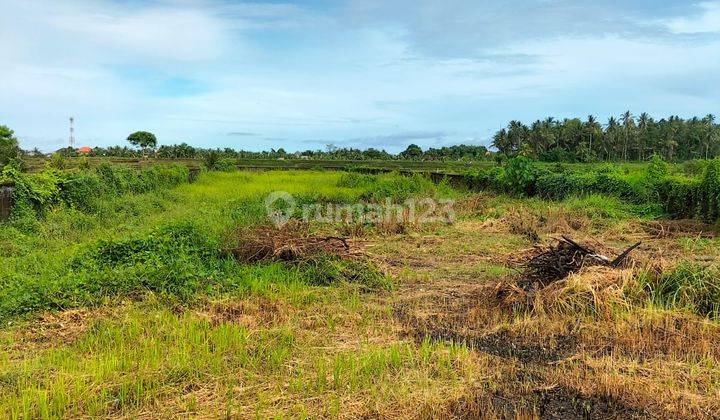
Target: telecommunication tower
x=72 y=132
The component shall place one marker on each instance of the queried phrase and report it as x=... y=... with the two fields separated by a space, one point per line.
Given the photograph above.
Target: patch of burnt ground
x=504 y=345
x=550 y=403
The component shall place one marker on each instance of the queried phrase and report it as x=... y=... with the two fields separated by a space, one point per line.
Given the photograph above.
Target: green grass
x=167 y=242
x=688 y=286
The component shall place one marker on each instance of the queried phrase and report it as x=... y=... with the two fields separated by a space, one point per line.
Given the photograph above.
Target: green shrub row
x=680 y=197
x=84 y=189
x=693 y=198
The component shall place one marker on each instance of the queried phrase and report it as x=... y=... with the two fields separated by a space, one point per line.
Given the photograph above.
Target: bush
x=399 y=187
x=683 y=197
x=226 y=165
x=355 y=180
x=81 y=191
x=520 y=174
x=679 y=196
x=709 y=192
x=327 y=269
x=657 y=169
x=559 y=186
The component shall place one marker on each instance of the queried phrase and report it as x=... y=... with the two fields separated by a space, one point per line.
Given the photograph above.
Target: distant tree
x=9 y=148
x=412 y=152
x=67 y=152
x=143 y=139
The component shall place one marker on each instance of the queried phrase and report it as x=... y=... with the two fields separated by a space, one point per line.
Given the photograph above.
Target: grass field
x=134 y=310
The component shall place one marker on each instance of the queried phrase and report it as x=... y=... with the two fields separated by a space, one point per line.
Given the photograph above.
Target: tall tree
x=9 y=148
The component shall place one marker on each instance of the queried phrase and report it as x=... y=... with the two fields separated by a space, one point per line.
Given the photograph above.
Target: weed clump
x=688 y=286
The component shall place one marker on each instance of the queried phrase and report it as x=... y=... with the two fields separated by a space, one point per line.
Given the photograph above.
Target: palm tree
x=611 y=135
x=500 y=141
x=593 y=128
x=709 y=133
x=628 y=130
x=643 y=122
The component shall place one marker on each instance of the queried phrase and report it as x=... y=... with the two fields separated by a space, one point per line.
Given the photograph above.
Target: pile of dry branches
x=567 y=257
x=292 y=242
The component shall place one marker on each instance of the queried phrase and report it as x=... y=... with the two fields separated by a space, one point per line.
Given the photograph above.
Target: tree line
x=623 y=138
x=331 y=152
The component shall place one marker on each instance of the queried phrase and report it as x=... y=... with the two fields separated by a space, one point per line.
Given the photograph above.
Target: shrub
x=657 y=169
x=680 y=196
x=559 y=186
x=226 y=165
x=520 y=174
x=709 y=191
x=81 y=191
x=327 y=269
x=399 y=187
x=486 y=179
x=355 y=180
x=57 y=161
x=170 y=260
x=211 y=159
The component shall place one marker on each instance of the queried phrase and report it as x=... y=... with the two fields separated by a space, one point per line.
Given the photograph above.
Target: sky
x=352 y=73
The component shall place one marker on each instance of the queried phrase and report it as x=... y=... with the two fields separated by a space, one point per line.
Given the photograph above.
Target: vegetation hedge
x=680 y=196
x=84 y=189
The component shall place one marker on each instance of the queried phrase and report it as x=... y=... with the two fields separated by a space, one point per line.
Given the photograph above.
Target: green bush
x=709 y=192
x=680 y=196
x=226 y=165
x=327 y=269
x=559 y=186
x=355 y=180
x=399 y=187
x=683 y=197
x=520 y=175
x=81 y=191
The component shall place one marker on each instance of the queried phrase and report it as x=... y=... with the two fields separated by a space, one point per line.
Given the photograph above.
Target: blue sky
x=372 y=73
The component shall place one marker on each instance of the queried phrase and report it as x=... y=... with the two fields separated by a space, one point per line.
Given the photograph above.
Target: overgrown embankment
x=36 y=193
x=693 y=193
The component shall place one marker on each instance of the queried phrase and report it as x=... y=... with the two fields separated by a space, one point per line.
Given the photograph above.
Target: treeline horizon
x=623 y=138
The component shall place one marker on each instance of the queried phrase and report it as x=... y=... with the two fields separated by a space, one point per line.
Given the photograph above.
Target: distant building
x=84 y=150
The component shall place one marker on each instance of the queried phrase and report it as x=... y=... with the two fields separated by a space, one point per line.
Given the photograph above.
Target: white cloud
x=706 y=21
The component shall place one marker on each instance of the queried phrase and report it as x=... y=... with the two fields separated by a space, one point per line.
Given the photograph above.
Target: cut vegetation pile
x=292 y=242
x=324 y=260
x=567 y=257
